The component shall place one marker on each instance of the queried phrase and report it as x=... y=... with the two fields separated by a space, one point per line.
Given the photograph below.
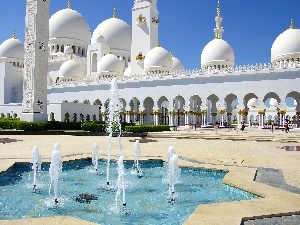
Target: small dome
x=12 y=48
x=177 y=64
x=217 y=52
x=158 y=58
x=70 y=69
x=70 y=24
x=127 y=72
x=273 y=102
x=253 y=102
x=68 y=49
x=111 y=65
x=116 y=34
x=286 y=46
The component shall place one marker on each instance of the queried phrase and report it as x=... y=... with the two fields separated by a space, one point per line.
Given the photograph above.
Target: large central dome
x=116 y=34
x=68 y=23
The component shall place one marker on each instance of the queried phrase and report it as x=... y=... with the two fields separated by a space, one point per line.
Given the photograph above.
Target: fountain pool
x=81 y=195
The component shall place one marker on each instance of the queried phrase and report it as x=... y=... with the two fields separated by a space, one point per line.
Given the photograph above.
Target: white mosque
x=153 y=85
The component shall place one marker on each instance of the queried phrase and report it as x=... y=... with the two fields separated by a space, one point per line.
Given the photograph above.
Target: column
x=34 y=106
x=128 y=116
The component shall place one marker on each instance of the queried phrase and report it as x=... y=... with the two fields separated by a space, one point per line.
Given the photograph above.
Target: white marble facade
x=153 y=85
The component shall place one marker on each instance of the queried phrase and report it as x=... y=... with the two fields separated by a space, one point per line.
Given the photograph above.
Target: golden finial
x=218 y=8
x=291 y=24
x=110 y=50
x=14 y=35
x=171 y=54
x=217 y=35
x=158 y=44
x=69 y=4
x=115 y=12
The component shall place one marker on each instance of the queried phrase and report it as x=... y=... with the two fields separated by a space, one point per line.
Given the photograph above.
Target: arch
x=296 y=96
x=67 y=117
x=246 y=99
x=178 y=103
x=122 y=104
x=268 y=97
x=212 y=102
x=148 y=104
x=74 y=117
x=163 y=104
x=94 y=62
x=195 y=103
x=52 y=116
x=231 y=101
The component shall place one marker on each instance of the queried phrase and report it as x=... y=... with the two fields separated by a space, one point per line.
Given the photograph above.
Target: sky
x=251 y=26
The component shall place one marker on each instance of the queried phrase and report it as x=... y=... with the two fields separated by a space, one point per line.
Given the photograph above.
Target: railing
x=98 y=78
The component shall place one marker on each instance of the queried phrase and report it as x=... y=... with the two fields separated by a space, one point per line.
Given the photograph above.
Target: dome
x=217 y=52
x=68 y=50
x=158 y=58
x=110 y=64
x=70 y=69
x=177 y=64
x=116 y=34
x=253 y=102
x=12 y=48
x=68 y=23
x=127 y=72
x=286 y=46
x=273 y=102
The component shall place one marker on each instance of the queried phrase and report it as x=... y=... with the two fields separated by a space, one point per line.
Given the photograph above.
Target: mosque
x=153 y=86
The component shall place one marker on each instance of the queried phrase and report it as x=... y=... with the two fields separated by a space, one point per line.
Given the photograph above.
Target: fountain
x=36 y=161
x=114 y=119
x=55 y=170
x=95 y=158
x=121 y=182
x=172 y=177
x=82 y=198
x=171 y=151
x=137 y=152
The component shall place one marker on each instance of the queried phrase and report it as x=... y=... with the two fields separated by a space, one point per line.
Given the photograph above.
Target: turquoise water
x=146 y=197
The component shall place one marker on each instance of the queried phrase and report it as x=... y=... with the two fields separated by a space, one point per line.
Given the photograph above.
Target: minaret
x=145 y=23
x=34 y=107
x=219 y=29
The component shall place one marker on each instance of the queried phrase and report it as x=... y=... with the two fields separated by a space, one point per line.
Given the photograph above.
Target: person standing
x=272 y=126
x=286 y=125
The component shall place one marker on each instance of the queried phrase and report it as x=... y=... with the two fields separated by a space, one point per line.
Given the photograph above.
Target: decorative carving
x=155 y=21
x=36 y=57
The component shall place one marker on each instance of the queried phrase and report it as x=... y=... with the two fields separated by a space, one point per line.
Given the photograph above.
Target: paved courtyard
x=240 y=153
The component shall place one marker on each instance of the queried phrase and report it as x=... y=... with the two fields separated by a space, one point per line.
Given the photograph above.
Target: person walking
x=272 y=126
x=243 y=126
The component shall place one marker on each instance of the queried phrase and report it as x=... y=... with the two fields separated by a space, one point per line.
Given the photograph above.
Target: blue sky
x=251 y=26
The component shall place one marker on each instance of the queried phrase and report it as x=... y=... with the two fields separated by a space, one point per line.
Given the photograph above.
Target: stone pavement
x=240 y=153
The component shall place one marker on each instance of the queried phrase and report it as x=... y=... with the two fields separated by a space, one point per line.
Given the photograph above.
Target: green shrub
x=34 y=126
x=9 y=124
x=147 y=128
x=94 y=126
